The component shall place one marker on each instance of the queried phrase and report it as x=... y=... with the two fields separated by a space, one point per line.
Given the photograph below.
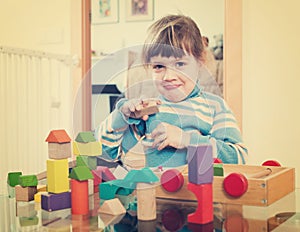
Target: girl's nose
x=169 y=75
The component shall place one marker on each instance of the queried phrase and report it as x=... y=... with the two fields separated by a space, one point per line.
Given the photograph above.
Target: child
x=187 y=115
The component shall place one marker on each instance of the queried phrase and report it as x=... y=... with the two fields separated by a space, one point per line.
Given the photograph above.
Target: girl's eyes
x=179 y=64
x=158 y=67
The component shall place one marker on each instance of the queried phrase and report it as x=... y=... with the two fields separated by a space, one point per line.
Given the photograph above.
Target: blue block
x=200 y=164
x=56 y=201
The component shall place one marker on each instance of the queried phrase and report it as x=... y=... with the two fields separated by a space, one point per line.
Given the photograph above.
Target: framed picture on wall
x=105 y=11
x=139 y=10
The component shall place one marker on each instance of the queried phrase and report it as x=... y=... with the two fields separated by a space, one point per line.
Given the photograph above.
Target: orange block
x=79 y=197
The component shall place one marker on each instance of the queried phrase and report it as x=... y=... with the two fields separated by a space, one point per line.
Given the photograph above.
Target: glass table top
x=282 y=215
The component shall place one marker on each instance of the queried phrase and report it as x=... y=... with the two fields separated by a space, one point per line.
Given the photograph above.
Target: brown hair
x=173 y=35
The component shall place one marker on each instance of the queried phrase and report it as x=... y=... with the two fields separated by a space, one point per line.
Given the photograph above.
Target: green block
x=85 y=137
x=29 y=221
x=13 y=178
x=218 y=170
x=81 y=173
x=89 y=161
x=28 y=180
x=81 y=160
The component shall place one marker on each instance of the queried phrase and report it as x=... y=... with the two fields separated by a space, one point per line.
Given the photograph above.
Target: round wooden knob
x=171 y=180
x=273 y=163
x=235 y=184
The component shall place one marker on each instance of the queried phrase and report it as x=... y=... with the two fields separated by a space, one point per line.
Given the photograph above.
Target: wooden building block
x=148 y=109
x=88 y=149
x=38 y=196
x=105 y=173
x=81 y=173
x=79 y=197
x=25 y=193
x=146 y=201
x=89 y=161
x=13 y=178
x=59 y=146
x=204 y=211
x=28 y=180
x=57 y=175
x=59 y=150
x=200 y=164
x=25 y=209
x=52 y=202
x=112 y=207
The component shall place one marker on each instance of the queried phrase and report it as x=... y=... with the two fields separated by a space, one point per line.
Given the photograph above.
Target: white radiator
x=36 y=89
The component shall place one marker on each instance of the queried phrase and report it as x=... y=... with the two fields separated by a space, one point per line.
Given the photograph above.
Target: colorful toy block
x=57 y=176
x=85 y=137
x=105 y=173
x=200 y=164
x=29 y=221
x=146 y=201
x=89 y=149
x=38 y=196
x=147 y=109
x=218 y=169
x=109 y=189
x=89 y=161
x=25 y=209
x=59 y=144
x=81 y=173
x=25 y=193
x=112 y=207
x=13 y=178
x=79 y=197
x=86 y=144
x=28 y=180
x=52 y=202
x=204 y=212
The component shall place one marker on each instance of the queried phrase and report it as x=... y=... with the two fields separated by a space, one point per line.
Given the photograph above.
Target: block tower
x=86 y=149
x=200 y=179
x=59 y=150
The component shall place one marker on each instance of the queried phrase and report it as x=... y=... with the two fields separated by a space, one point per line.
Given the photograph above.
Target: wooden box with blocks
x=241 y=184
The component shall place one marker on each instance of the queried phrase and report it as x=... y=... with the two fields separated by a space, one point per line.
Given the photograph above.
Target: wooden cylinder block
x=146 y=201
x=79 y=197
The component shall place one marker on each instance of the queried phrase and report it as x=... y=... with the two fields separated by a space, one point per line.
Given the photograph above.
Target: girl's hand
x=133 y=105
x=168 y=135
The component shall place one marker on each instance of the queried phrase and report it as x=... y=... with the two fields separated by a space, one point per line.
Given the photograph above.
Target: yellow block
x=38 y=197
x=42 y=188
x=88 y=149
x=57 y=175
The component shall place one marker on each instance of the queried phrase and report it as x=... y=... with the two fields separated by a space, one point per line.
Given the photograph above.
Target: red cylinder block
x=79 y=197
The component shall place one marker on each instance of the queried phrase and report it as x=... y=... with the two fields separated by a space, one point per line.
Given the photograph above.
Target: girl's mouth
x=171 y=86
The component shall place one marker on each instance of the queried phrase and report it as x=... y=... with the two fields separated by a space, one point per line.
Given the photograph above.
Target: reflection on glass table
x=282 y=215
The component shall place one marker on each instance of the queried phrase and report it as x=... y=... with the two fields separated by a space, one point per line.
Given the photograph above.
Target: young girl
x=187 y=115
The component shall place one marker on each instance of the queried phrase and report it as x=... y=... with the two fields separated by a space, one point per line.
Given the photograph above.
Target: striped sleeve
x=224 y=135
x=112 y=130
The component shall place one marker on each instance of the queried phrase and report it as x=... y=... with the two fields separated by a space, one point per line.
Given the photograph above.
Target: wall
x=271 y=81
x=44 y=26
x=208 y=14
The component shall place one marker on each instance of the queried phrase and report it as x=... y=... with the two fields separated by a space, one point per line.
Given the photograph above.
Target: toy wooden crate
x=261 y=191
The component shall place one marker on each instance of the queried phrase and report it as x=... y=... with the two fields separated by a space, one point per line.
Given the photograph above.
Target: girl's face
x=175 y=78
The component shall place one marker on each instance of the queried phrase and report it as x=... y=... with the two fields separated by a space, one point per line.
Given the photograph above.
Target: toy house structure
x=59 y=146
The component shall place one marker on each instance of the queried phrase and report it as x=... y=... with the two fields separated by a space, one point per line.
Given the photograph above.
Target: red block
x=204 y=211
x=80 y=197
